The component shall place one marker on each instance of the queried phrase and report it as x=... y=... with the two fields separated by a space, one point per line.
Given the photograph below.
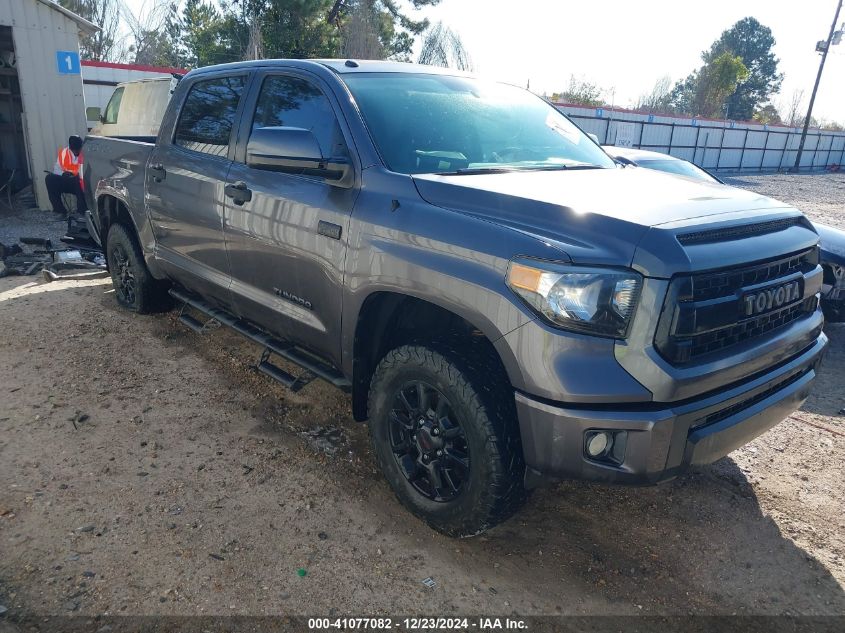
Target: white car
x=658 y=161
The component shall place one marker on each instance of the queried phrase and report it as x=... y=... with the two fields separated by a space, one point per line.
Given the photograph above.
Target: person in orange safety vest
x=67 y=177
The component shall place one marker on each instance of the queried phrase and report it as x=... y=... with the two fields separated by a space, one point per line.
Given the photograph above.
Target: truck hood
x=596 y=215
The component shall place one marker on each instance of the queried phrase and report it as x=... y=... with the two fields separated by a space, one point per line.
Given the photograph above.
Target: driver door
x=286 y=233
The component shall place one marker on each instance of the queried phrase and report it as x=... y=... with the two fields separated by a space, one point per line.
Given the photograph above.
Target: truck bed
x=119 y=165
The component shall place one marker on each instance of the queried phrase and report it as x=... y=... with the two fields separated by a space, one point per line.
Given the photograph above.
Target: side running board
x=314 y=367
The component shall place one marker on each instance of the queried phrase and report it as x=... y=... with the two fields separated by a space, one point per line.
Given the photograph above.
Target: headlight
x=597 y=301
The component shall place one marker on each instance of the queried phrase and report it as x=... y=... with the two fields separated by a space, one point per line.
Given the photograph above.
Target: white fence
x=712 y=144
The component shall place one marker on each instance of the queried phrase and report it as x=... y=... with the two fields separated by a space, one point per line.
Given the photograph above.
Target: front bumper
x=664 y=440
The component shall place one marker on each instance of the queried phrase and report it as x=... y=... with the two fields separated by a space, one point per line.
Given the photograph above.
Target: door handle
x=158 y=172
x=238 y=192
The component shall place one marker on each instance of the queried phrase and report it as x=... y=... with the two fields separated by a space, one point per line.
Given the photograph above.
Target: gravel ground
x=30 y=223
x=820 y=196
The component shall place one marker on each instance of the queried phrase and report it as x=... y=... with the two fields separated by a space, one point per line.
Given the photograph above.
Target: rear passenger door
x=287 y=243
x=186 y=176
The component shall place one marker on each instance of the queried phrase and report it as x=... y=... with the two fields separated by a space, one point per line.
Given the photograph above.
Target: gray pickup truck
x=505 y=303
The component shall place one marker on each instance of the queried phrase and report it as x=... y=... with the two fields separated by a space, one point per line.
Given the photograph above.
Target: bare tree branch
x=443 y=47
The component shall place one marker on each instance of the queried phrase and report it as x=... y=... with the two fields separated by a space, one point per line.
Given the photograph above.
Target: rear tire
x=460 y=468
x=135 y=288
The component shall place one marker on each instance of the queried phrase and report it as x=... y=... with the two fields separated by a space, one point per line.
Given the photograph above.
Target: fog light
x=598 y=443
x=606 y=446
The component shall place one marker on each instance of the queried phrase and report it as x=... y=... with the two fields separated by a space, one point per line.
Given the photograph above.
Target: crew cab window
x=208 y=116
x=293 y=102
x=114 y=106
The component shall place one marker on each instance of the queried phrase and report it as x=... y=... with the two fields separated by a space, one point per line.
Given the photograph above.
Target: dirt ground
x=147 y=470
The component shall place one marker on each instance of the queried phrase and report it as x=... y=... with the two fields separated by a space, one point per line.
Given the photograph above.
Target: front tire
x=135 y=288
x=447 y=445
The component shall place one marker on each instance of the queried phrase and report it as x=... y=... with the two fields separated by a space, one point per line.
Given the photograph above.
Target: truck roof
x=339 y=66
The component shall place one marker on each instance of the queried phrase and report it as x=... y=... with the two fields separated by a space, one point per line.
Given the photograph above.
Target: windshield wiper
x=561 y=167
x=469 y=171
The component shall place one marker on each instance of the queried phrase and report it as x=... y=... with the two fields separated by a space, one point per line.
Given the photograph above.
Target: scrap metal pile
x=35 y=254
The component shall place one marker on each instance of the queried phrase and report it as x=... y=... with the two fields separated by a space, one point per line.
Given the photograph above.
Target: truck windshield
x=425 y=123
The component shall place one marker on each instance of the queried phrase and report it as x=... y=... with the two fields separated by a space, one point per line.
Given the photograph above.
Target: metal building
x=41 y=98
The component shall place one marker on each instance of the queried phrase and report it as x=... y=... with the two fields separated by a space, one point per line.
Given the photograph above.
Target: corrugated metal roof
x=84 y=25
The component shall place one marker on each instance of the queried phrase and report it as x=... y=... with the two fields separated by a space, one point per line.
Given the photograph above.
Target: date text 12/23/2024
x=417 y=624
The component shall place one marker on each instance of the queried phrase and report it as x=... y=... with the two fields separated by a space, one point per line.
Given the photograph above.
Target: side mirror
x=594 y=137
x=295 y=150
x=93 y=114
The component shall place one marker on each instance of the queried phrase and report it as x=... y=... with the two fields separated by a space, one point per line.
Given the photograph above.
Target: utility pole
x=824 y=53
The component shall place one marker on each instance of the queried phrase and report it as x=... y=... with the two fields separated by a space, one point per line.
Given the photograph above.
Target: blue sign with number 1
x=67 y=62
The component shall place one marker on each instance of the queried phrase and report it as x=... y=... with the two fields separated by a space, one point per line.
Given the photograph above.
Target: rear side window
x=208 y=116
x=114 y=106
x=293 y=102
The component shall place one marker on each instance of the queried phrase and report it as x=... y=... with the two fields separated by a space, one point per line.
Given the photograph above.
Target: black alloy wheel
x=124 y=278
x=428 y=442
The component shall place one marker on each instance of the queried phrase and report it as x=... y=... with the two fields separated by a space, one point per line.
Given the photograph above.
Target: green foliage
x=362 y=22
x=251 y=29
x=206 y=36
x=716 y=81
x=767 y=114
x=702 y=93
x=195 y=33
x=580 y=92
x=683 y=96
x=752 y=42
x=298 y=29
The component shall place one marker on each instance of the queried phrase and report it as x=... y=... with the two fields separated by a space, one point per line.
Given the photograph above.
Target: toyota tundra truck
x=504 y=303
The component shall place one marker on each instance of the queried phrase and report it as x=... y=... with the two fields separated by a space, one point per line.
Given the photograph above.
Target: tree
x=793 y=116
x=752 y=42
x=826 y=124
x=705 y=91
x=298 y=29
x=767 y=114
x=106 y=44
x=716 y=81
x=156 y=35
x=580 y=92
x=684 y=94
x=395 y=28
x=443 y=47
x=360 y=34
x=210 y=37
x=659 y=99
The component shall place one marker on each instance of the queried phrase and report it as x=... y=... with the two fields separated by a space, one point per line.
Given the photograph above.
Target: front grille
x=751 y=328
x=702 y=313
x=724 y=414
x=721 y=284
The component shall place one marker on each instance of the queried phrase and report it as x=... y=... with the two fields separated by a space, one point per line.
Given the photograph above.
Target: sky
x=625 y=46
